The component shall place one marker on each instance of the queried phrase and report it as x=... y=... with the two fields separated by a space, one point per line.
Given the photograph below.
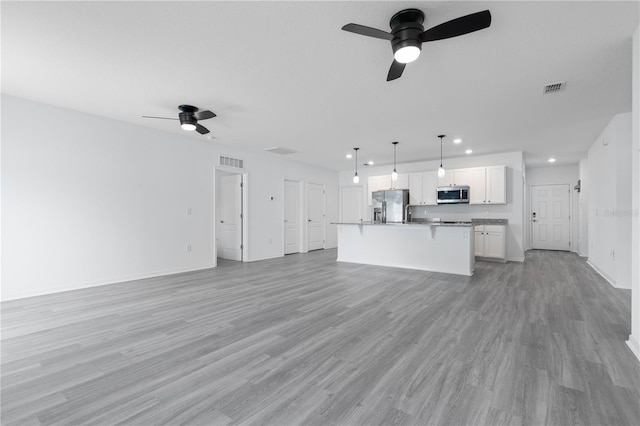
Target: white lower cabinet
x=490 y=242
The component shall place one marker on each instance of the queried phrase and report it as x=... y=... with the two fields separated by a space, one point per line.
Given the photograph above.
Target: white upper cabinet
x=461 y=177
x=415 y=188
x=496 y=185
x=402 y=182
x=423 y=188
x=477 y=186
x=455 y=177
x=488 y=185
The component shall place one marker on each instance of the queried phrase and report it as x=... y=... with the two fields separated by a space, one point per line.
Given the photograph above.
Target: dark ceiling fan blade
x=367 y=31
x=162 y=118
x=203 y=115
x=459 y=26
x=201 y=129
x=395 y=71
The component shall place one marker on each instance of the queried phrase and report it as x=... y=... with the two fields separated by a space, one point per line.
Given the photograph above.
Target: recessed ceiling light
x=370 y=163
x=457 y=140
x=468 y=151
x=349 y=156
x=552 y=160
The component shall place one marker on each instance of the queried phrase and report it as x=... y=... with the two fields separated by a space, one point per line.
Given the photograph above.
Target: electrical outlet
x=188 y=247
x=188 y=211
x=270 y=240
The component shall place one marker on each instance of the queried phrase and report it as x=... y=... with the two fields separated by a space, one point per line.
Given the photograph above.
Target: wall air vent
x=554 y=87
x=280 y=150
x=231 y=162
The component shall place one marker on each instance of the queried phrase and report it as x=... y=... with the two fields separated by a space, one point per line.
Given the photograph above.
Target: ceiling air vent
x=554 y=87
x=231 y=162
x=280 y=150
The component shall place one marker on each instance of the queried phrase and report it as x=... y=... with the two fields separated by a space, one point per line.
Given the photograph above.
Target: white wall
x=548 y=176
x=89 y=201
x=634 y=338
x=609 y=179
x=512 y=211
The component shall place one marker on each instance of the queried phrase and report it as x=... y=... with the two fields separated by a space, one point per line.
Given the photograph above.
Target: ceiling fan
x=407 y=34
x=189 y=117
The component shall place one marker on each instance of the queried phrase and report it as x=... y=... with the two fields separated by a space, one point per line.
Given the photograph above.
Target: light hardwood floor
x=303 y=340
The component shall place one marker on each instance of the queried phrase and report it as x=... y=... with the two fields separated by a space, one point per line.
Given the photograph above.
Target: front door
x=315 y=216
x=550 y=223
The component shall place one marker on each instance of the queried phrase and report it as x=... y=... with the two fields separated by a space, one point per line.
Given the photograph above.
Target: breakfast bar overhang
x=436 y=247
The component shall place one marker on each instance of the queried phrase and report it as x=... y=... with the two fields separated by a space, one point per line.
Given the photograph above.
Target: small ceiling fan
x=189 y=117
x=407 y=34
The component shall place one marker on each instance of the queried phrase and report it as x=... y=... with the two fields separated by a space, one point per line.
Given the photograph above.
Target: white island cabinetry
x=490 y=242
x=437 y=248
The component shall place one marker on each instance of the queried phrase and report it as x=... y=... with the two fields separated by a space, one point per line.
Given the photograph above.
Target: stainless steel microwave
x=453 y=194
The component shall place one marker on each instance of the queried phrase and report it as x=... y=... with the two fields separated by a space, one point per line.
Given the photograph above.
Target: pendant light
x=394 y=175
x=356 y=179
x=441 y=169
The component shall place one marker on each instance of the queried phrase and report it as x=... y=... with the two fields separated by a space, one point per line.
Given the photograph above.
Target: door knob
x=534 y=220
x=309 y=220
x=222 y=221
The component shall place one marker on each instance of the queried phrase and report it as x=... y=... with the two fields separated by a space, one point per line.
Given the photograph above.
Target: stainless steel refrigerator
x=389 y=206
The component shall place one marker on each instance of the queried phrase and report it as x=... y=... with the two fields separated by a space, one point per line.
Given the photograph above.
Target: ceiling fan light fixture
x=407 y=54
x=187 y=121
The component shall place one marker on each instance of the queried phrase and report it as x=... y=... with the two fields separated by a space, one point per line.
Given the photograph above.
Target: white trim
x=603 y=275
x=515 y=259
x=634 y=345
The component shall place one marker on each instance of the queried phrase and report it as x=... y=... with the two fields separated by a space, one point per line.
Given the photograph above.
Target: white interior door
x=291 y=217
x=550 y=223
x=315 y=216
x=229 y=215
x=351 y=202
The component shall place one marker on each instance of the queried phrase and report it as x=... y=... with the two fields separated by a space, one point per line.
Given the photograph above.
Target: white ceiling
x=284 y=74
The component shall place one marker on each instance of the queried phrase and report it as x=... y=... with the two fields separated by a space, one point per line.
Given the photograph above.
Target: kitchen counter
x=430 y=246
x=489 y=221
x=410 y=224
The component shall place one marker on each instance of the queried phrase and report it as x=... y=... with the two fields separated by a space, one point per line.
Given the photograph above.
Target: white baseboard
x=634 y=345
x=99 y=283
x=606 y=277
x=515 y=259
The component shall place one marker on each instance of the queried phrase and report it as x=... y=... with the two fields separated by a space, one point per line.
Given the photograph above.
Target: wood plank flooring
x=304 y=340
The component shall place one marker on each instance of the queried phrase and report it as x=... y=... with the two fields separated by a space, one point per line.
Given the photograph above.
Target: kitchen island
x=437 y=247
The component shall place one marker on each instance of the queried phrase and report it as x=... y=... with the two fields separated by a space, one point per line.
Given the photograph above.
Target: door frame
x=531 y=192
x=243 y=209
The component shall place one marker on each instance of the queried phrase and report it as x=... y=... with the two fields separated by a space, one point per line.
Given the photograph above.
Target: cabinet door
x=415 y=188
x=447 y=180
x=402 y=182
x=383 y=182
x=496 y=185
x=430 y=188
x=479 y=240
x=494 y=241
x=494 y=244
x=461 y=177
x=477 y=187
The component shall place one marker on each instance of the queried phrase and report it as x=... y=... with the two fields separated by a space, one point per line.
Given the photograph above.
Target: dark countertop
x=490 y=221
